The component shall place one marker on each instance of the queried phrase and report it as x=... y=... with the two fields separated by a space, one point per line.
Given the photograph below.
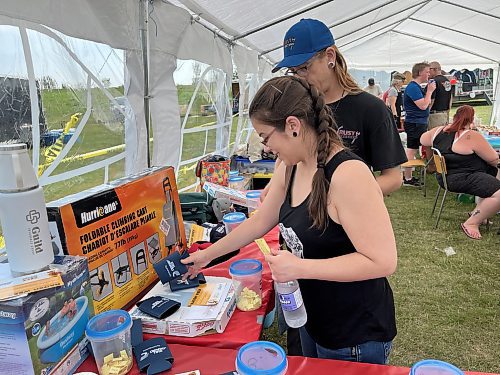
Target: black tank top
x=339 y=314
x=457 y=163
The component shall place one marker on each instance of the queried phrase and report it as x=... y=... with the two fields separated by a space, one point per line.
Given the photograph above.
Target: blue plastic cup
x=232 y=220
x=253 y=198
x=237 y=182
x=109 y=335
x=261 y=358
x=434 y=367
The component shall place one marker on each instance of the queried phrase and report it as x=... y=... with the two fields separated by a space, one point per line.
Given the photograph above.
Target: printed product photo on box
x=44 y=332
x=123 y=228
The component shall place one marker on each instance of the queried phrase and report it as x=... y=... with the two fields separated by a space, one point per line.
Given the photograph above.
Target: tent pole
x=445 y=44
x=454 y=30
x=287 y=17
x=143 y=14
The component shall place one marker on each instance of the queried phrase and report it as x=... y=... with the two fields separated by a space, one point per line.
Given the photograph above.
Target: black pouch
x=179 y=284
x=197 y=207
x=170 y=268
x=159 y=307
x=153 y=355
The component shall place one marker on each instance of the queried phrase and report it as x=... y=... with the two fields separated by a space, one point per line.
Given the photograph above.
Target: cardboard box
x=175 y=326
x=122 y=228
x=235 y=196
x=44 y=332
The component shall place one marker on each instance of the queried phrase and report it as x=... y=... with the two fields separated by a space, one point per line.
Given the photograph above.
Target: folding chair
x=441 y=169
x=422 y=164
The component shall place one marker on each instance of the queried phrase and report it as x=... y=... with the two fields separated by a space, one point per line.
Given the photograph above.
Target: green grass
x=446 y=307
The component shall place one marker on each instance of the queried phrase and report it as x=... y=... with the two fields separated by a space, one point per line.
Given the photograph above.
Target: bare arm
x=392 y=104
x=365 y=220
x=425 y=102
x=389 y=180
x=483 y=149
x=256 y=226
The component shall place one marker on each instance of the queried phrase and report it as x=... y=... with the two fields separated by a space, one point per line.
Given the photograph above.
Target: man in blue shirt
x=416 y=103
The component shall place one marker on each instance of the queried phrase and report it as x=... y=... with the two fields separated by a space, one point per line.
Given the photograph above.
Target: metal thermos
x=23 y=214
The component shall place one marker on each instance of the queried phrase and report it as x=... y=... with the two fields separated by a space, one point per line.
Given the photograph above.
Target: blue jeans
x=369 y=352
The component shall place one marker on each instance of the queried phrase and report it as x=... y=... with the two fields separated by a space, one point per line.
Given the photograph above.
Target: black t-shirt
x=339 y=314
x=366 y=126
x=442 y=94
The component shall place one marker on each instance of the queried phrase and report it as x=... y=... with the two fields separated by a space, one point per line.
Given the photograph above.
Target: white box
x=188 y=328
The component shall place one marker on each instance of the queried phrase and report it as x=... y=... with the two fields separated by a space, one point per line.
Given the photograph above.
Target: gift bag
x=213 y=169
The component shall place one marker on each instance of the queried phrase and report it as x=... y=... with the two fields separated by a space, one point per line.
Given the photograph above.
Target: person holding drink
x=334 y=223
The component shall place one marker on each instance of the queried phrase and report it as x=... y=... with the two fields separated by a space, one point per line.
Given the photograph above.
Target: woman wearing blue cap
x=338 y=238
x=364 y=123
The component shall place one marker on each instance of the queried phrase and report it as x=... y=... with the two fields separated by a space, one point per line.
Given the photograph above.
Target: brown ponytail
x=282 y=97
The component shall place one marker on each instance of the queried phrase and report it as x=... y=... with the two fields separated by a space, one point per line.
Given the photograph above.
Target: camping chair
x=422 y=164
x=441 y=169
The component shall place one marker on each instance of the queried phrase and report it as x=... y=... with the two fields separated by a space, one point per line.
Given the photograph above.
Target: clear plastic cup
x=247 y=273
x=434 y=367
x=261 y=358
x=232 y=220
x=109 y=334
x=237 y=182
x=254 y=199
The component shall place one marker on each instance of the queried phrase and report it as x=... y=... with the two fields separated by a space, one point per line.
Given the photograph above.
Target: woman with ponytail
x=338 y=238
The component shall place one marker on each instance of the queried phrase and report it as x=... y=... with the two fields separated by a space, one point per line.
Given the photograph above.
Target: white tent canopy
x=372 y=34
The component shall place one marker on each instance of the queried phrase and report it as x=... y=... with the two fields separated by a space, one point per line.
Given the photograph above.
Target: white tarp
x=372 y=34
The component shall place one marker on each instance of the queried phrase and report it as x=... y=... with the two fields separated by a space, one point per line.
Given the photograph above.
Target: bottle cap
x=17 y=172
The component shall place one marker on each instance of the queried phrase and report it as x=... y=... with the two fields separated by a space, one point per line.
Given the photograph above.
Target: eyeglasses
x=266 y=139
x=302 y=70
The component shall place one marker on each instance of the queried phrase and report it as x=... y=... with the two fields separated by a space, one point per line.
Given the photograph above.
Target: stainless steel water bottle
x=23 y=214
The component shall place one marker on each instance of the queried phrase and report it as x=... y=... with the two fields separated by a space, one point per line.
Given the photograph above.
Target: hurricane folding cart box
x=123 y=228
x=44 y=332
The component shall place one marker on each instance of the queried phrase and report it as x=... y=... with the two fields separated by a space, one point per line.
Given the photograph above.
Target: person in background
x=416 y=103
x=441 y=100
x=364 y=123
x=373 y=88
x=471 y=164
x=395 y=100
x=332 y=217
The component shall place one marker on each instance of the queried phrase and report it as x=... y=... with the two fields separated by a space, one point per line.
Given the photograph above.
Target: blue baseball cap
x=302 y=41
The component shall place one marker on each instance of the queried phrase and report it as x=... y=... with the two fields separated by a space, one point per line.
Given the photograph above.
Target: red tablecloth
x=212 y=361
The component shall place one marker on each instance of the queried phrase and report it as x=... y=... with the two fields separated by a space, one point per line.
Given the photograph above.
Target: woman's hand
x=284 y=265
x=199 y=259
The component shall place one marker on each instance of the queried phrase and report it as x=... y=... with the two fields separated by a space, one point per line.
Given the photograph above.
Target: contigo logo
x=6 y=314
x=98 y=212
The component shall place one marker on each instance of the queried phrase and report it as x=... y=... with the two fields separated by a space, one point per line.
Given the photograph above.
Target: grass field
x=447 y=307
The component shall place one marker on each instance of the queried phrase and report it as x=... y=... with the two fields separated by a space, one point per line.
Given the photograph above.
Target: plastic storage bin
x=253 y=196
x=109 y=334
x=232 y=220
x=434 y=367
x=237 y=182
x=248 y=273
x=261 y=357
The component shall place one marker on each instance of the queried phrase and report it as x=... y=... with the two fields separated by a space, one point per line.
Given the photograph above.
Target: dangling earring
x=294 y=134
x=331 y=64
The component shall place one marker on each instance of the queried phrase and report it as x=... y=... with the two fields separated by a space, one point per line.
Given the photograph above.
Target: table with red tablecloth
x=211 y=361
x=243 y=327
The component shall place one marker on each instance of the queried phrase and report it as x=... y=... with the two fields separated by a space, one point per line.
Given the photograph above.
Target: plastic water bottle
x=292 y=304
